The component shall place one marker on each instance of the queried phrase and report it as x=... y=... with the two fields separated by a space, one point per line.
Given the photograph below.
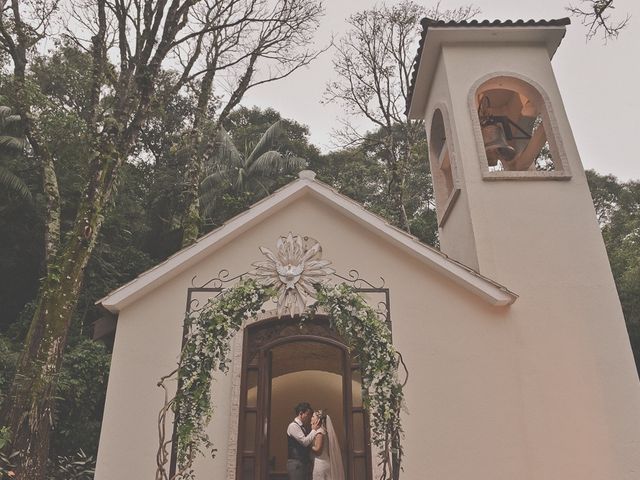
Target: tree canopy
x=120 y=128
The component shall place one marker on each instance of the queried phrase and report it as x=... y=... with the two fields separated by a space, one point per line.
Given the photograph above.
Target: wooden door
x=256 y=427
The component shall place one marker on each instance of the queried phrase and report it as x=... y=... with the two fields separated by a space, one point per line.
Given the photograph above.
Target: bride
x=327 y=463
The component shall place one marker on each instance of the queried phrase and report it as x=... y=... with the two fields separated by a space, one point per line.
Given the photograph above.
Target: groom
x=299 y=440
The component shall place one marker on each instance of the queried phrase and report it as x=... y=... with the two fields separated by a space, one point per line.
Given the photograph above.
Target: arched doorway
x=285 y=362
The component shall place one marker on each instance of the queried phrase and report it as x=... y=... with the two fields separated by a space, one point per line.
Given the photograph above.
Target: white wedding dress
x=328 y=465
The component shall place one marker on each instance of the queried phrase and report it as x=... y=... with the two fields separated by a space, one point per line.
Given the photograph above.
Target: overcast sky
x=599 y=82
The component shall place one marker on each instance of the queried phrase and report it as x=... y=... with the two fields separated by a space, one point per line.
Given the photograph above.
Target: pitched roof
x=429 y=23
x=464 y=276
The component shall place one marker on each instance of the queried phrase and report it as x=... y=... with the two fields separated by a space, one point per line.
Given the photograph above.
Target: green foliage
x=369 y=339
x=165 y=168
x=605 y=190
x=7 y=466
x=14 y=183
x=206 y=351
x=81 y=389
x=4 y=437
x=362 y=173
x=8 y=359
x=21 y=239
x=7 y=460
x=246 y=126
x=251 y=171
x=80 y=393
x=61 y=76
x=11 y=135
x=122 y=252
x=78 y=466
x=12 y=144
x=618 y=210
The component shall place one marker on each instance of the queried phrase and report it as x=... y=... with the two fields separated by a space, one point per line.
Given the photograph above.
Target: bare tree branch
x=372 y=63
x=127 y=42
x=596 y=15
x=256 y=42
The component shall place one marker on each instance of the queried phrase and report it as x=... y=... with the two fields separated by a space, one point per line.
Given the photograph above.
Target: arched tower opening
x=517 y=134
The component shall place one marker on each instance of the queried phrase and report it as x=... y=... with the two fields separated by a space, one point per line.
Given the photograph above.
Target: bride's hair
x=322 y=415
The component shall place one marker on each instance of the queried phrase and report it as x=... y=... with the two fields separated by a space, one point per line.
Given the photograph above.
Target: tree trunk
x=52 y=196
x=30 y=404
x=396 y=185
x=28 y=409
x=192 y=221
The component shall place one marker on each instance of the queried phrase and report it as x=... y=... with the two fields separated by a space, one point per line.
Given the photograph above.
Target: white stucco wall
x=494 y=393
x=578 y=388
x=456 y=234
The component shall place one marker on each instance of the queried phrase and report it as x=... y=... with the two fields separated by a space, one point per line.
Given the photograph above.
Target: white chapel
x=519 y=362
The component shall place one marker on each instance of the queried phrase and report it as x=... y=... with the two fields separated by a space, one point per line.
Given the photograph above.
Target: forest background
x=121 y=144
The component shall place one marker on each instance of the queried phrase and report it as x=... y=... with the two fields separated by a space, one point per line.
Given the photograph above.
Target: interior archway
x=285 y=363
x=304 y=371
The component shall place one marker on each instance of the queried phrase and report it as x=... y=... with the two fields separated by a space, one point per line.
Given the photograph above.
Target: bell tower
x=513 y=203
x=511 y=192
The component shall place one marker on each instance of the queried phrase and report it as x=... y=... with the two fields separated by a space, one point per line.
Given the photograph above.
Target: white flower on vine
x=293 y=270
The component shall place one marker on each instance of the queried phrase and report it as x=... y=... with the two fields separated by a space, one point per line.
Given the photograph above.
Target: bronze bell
x=495 y=144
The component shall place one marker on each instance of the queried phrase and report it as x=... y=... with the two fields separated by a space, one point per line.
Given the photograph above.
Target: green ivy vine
x=369 y=339
x=206 y=350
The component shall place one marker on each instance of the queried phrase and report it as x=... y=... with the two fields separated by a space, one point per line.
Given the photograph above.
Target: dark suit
x=299 y=441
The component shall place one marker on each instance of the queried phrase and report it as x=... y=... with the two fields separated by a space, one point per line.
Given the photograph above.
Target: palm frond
x=210 y=189
x=272 y=162
x=293 y=163
x=215 y=180
x=208 y=200
x=12 y=182
x=264 y=187
x=226 y=152
x=7 y=120
x=208 y=209
x=11 y=134
x=4 y=112
x=267 y=141
x=241 y=178
x=10 y=142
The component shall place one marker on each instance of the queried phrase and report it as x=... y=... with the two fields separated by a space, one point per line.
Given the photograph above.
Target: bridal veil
x=335 y=455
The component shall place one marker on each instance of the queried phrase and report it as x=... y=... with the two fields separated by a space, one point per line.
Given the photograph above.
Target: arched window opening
x=515 y=129
x=442 y=167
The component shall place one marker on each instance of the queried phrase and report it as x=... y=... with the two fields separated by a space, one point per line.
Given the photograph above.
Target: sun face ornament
x=293 y=270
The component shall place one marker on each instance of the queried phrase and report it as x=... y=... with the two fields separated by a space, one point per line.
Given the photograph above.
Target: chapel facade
x=512 y=333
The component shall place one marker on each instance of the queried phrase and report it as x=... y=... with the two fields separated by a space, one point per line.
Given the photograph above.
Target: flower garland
x=369 y=339
x=206 y=350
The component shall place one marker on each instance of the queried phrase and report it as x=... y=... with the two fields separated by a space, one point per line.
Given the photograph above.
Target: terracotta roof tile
x=429 y=22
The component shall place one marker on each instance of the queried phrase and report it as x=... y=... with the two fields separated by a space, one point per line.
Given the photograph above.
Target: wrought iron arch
x=199 y=293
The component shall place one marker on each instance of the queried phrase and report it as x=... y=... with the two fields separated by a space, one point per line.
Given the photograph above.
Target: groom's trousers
x=297 y=470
